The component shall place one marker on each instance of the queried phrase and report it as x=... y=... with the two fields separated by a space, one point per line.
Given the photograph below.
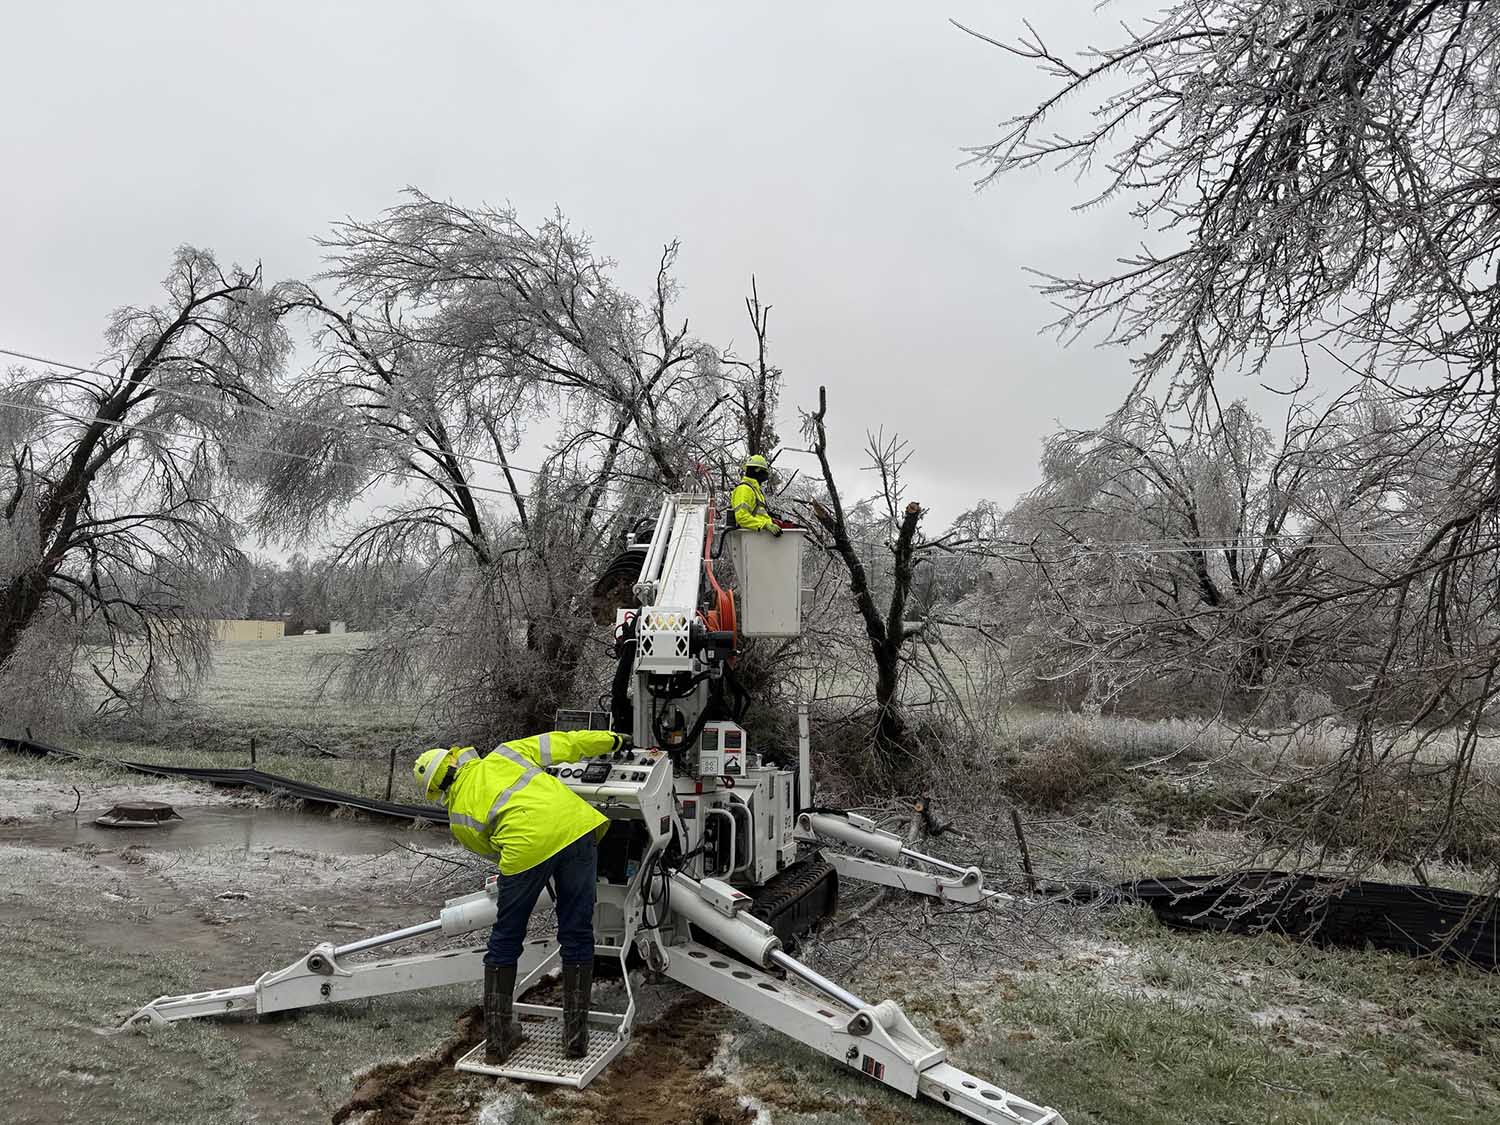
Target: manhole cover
x=138 y=814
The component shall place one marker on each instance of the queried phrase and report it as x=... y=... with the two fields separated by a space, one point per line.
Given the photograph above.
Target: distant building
x=227 y=630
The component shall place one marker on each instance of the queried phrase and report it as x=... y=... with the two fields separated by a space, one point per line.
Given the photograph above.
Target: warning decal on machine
x=873 y=1068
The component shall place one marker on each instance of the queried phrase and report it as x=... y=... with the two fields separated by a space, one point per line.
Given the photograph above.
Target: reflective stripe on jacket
x=508 y=808
x=749 y=503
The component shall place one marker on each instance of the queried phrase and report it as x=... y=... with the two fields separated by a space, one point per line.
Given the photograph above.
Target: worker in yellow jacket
x=749 y=498
x=505 y=806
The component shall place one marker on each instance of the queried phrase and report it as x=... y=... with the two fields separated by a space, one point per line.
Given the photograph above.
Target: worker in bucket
x=749 y=498
x=505 y=806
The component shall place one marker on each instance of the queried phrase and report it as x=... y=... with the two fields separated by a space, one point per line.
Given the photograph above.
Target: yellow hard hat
x=428 y=770
x=756 y=461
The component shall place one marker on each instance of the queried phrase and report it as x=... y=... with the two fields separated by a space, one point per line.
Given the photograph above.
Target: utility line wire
x=358 y=432
x=1139 y=547
x=410 y=475
x=1116 y=548
x=267 y=412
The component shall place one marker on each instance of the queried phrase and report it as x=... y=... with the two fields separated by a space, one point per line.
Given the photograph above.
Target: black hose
x=655 y=908
x=741 y=702
x=660 y=868
x=621 y=713
x=718 y=551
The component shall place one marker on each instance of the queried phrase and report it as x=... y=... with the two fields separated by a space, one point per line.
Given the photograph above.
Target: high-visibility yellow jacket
x=507 y=807
x=749 y=504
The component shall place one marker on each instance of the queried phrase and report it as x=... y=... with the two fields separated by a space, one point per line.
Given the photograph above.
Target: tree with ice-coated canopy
x=1317 y=176
x=120 y=487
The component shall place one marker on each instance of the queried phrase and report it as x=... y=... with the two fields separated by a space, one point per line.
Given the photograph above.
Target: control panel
x=624 y=768
x=723 y=750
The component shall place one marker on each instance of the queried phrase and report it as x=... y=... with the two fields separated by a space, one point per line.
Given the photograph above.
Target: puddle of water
x=246 y=830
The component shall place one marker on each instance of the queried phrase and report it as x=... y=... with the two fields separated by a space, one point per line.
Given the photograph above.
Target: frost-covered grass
x=272 y=686
x=1141 y=1026
x=1176 y=1028
x=274 y=691
x=82 y=945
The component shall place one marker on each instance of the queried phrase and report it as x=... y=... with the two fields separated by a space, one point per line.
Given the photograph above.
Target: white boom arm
x=323 y=976
x=949 y=882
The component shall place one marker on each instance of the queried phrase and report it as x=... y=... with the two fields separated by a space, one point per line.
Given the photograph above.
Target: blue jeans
x=575 y=872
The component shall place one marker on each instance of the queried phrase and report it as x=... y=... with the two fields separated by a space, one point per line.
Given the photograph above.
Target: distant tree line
x=304 y=592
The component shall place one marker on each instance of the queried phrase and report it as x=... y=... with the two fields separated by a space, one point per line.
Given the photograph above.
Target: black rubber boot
x=578 y=982
x=501 y=1032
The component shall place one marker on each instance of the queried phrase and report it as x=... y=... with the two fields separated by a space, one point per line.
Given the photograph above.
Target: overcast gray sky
x=814 y=145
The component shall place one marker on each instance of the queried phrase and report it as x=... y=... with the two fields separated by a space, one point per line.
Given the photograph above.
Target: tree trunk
x=891 y=744
x=20 y=600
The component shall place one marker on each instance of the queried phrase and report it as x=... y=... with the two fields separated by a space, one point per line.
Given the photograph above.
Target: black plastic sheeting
x=1421 y=921
x=245 y=778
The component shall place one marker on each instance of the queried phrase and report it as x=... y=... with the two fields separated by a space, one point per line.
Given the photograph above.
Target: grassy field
x=1101 y=1013
x=278 y=694
x=1134 y=1024
x=270 y=688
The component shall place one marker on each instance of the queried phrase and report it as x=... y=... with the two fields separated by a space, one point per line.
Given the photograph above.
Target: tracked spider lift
x=711 y=866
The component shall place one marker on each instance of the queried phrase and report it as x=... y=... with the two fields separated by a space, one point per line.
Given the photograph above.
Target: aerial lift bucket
x=768 y=581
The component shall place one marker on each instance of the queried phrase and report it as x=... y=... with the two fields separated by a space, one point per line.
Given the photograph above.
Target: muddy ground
x=95 y=921
x=1104 y=1015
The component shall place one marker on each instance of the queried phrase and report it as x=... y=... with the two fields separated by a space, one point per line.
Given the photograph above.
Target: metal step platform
x=540 y=1056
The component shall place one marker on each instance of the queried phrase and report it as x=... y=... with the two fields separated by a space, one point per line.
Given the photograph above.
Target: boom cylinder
x=747 y=935
x=884 y=844
x=817 y=980
x=859 y=833
x=718 y=909
x=460 y=916
x=470 y=912
x=388 y=939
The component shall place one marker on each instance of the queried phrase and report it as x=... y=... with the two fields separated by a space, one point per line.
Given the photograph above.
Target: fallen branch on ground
x=313 y=746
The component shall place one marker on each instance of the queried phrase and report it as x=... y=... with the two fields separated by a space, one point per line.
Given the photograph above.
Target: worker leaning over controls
x=506 y=807
x=749 y=498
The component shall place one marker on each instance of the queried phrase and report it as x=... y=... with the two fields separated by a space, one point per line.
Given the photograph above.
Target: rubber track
x=245 y=778
x=797 y=899
x=1420 y=921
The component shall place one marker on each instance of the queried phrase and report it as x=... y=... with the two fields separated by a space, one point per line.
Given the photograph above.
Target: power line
x=1116 y=548
x=409 y=475
x=267 y=412
x=1139 y=547
x=361 y=434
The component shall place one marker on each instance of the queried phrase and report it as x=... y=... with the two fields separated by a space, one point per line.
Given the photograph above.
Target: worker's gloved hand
x=775 y=530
